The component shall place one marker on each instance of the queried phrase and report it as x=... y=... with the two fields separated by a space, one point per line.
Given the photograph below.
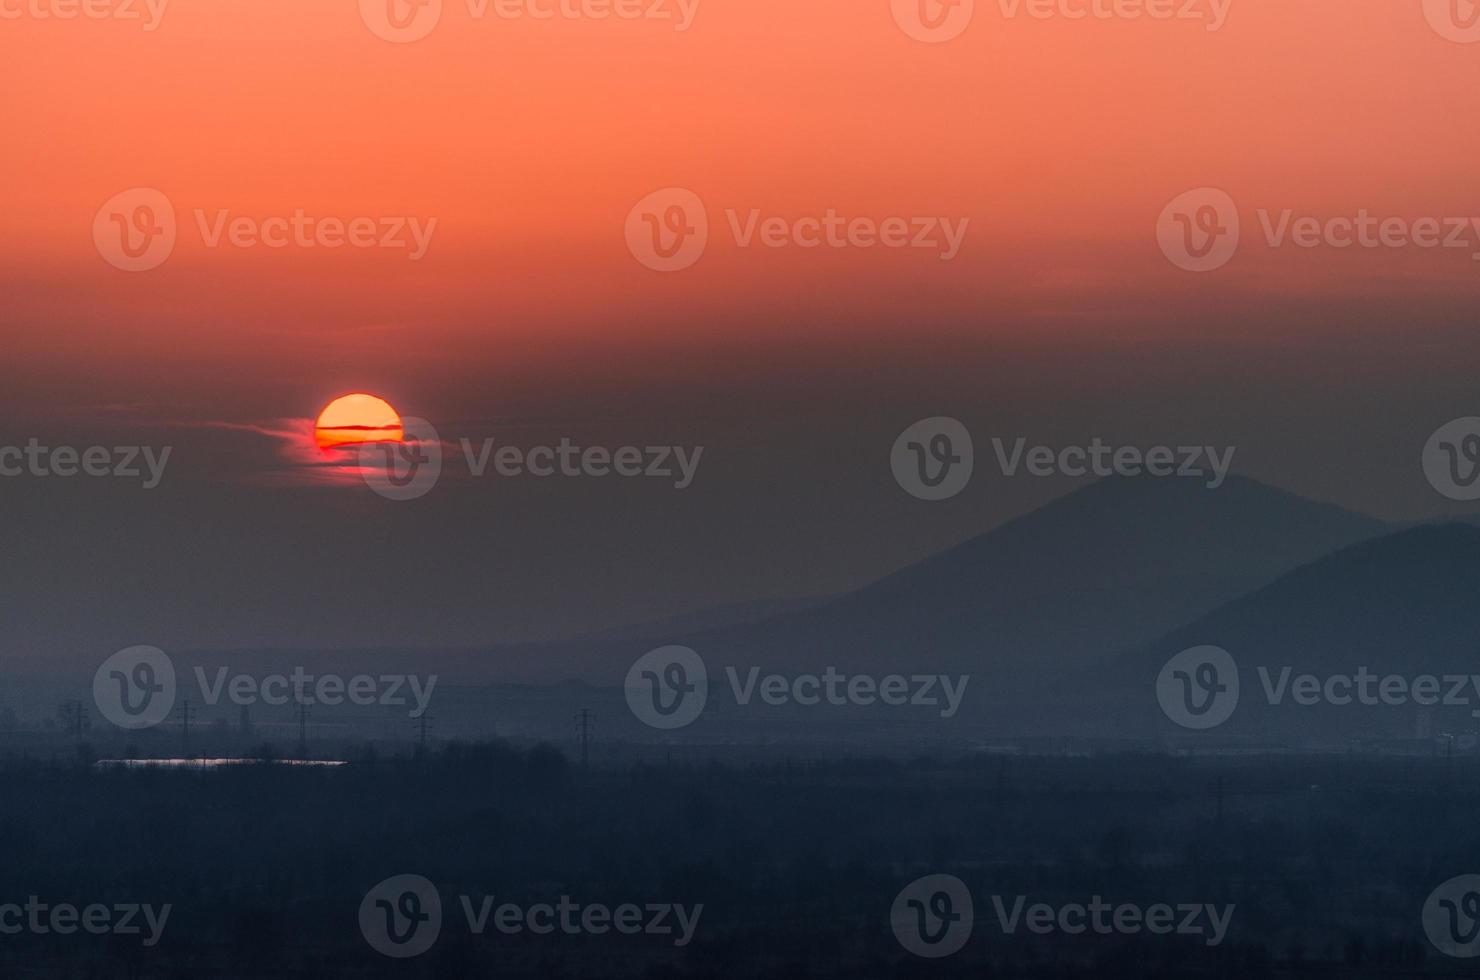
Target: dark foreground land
x=1326 y=860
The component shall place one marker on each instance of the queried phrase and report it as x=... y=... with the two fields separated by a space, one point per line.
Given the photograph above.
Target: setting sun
x=355 y=419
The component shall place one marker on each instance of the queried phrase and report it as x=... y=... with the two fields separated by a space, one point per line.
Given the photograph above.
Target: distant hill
x=702 y=620
x=1406 y=603
x=1065 y=617
x=1107 y=567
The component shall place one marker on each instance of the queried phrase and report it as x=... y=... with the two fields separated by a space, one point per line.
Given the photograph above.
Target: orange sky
x=1059 y=141
x=529 y=141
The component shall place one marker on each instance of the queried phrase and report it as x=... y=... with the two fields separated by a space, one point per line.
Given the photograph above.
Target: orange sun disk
x=355 y=419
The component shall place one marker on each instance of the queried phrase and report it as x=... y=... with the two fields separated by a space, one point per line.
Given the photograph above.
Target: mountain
x=1404 y=604
x=702 y=620
x=1110 y=566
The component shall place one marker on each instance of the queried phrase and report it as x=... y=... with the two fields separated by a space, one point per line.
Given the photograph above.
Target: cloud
x=296 y=460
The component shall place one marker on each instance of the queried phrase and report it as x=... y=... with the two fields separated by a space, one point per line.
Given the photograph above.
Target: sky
x=520 y=151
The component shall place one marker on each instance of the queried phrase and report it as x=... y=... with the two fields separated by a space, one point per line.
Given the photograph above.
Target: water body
x=209 y=763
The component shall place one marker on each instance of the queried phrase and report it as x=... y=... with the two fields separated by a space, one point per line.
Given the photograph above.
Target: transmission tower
x=583 y=733
x=185 y=727
x=423 y=724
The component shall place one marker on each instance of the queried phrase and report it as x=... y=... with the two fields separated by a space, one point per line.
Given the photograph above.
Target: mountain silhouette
x=1403 y=604
x=1114 y=564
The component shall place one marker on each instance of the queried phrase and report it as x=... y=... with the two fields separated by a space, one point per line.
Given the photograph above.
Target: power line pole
x=72 y=718
x=583 y=732
x=185 y=727
x=302 y=730
x=422 y=724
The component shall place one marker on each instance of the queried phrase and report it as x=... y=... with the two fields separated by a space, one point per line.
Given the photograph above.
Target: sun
x=355 y=419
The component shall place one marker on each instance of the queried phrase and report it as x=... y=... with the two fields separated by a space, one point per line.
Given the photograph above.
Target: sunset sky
x=1055 y=143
